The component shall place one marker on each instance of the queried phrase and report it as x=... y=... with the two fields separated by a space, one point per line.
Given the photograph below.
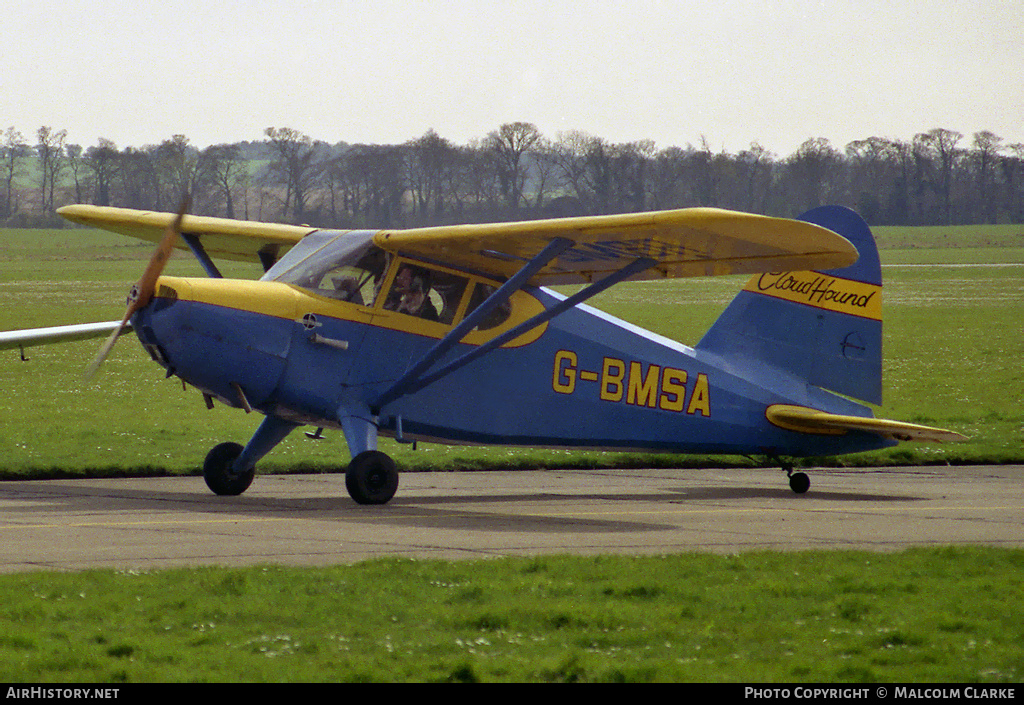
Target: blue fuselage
x=583 y=380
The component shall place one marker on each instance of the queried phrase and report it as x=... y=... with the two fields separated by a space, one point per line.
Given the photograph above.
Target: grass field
x=953 y=344
x=936 y=615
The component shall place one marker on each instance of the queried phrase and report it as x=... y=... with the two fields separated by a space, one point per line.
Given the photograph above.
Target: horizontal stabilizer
x=804 y=420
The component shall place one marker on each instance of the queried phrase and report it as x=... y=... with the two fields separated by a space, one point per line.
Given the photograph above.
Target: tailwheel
x=798 y=481
x=220 y=473
x=371 y=478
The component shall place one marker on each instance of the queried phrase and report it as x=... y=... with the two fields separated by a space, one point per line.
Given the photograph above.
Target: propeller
x=142 y=291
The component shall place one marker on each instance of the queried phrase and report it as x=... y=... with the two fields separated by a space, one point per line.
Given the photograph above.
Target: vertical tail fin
x=825 y=327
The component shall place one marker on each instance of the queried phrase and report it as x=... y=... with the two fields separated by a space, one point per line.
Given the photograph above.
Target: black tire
x=799 y=482
x=219 y=474
x=371 y=478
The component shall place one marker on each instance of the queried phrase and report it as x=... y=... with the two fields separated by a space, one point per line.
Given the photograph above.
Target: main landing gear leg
x=229 y=468
x=371 y=477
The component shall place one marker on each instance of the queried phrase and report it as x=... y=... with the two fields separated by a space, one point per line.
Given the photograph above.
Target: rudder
x=824 y=327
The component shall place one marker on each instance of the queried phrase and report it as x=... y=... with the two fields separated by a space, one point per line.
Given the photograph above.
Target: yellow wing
x=220 y=237
x=799 y=418
x=685 y=243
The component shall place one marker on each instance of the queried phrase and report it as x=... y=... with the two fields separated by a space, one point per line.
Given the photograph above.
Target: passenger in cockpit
x=350 y=288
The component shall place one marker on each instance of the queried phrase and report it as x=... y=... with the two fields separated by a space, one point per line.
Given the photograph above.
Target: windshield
x=341 y=265
x=347 y=266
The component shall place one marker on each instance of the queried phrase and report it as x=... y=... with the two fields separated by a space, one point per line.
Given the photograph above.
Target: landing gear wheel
x=219 y=473
x=371 y=478
x=799 y=482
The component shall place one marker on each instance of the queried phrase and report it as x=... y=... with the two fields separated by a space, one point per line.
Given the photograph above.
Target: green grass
x=924 y=615
x=952 y=244
x=949 y=237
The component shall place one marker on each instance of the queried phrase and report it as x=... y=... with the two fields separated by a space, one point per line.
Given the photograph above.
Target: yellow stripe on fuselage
x=292 y=302
x=821 y=291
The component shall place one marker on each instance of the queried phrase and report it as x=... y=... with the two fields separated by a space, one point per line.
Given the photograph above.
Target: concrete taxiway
x=141 y=524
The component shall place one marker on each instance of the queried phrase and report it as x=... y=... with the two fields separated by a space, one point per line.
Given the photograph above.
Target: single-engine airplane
x=449 y=334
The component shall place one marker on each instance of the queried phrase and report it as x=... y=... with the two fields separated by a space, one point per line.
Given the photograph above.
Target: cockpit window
x=347 y=266
x=425 y=292
x=344 y=266
x=497 y=316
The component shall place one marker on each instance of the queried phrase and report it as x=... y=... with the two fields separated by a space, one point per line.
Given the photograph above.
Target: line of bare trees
x=515 y=172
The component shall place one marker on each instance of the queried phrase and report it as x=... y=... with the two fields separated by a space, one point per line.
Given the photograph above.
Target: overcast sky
x=730 y=71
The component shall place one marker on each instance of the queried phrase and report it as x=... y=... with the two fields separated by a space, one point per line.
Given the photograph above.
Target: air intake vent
x=166 y=292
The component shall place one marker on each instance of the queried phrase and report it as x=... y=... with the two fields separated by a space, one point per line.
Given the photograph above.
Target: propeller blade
x=142 y=291
x=94 y=366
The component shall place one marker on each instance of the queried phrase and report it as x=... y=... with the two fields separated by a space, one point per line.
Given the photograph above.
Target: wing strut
x=516 y=282
x=416 y=384
x=200 y=254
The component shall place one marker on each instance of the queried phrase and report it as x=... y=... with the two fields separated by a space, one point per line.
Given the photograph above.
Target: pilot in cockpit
x=409 y=293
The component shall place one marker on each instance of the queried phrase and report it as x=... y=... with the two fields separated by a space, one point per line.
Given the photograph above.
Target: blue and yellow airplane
x=450 y=334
